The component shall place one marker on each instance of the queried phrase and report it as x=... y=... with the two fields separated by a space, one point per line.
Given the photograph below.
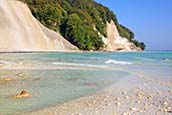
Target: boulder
x=22 y=94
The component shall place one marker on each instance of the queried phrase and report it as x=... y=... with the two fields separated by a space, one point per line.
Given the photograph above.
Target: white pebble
x=133 y=109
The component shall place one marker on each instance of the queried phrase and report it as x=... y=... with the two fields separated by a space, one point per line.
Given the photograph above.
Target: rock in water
x=8 y=79
x=22 y=94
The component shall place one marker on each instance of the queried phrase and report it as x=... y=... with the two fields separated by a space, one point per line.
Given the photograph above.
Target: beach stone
x=149 y=97
x=76 y=114
x=141 y=111
x=163 y=110
x=114 y=113
x=118 y=99
x=145 y=108
x=170 y=91
x=22 y=94
x=89 y=104
x=140 y=95
x=107 y=104
x=165 y=103
x=118 y=103
x=170 y=111
x=133 y=109
x=126 y=97
x=158 y=94
x=125 y=114
x=49 y=113
x=169 y=108
x=124 y=93
x=20 y=75
x=107 y=96
x=138 y=102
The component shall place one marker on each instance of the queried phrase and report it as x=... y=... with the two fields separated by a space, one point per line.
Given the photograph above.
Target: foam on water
x=6 y=63
x=79 y=64
x=110 y=61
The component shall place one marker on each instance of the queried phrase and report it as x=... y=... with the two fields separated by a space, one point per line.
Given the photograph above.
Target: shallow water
x=54 y=78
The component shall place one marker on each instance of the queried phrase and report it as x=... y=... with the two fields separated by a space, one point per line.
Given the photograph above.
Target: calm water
x=55 y=78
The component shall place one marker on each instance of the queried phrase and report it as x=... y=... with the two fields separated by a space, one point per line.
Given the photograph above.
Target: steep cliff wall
x=20 y=31
x=114 y=42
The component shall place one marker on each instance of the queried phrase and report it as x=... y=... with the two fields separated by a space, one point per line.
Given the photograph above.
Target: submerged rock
x=90 y=84
x=73 y=79
x=7 y=79
x=22 y=94
x=22 y=75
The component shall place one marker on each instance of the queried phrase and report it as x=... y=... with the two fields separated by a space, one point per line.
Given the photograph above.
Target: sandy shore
x=129 y=96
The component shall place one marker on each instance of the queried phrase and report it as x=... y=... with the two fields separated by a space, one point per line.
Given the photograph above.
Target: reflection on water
x=54 y=78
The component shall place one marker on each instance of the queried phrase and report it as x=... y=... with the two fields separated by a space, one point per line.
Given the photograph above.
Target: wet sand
x=129 y=96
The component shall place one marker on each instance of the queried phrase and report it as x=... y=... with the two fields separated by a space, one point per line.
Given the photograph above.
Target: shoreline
x=130 y=95
x=67 y=51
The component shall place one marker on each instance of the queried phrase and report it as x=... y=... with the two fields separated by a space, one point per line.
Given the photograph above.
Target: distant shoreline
x=34 y=51
x=79 y=51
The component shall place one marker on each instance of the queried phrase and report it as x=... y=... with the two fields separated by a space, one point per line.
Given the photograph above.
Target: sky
x=150 y=20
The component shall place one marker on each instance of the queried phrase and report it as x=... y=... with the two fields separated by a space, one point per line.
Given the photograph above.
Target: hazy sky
x=150 y=20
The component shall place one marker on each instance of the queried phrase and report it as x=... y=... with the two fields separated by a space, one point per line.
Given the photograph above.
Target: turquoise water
x=55 y=78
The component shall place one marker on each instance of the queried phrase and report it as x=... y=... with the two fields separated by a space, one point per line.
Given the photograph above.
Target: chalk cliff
x=20 y=31
x=114 y=42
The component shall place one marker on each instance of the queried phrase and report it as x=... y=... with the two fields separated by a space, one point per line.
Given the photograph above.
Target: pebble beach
x=130 y=96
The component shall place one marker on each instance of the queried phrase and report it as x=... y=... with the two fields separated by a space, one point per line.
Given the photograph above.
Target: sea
x=54 y=78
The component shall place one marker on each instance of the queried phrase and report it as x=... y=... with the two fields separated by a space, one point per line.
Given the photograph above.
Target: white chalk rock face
x=114 y=42
x=20 y=31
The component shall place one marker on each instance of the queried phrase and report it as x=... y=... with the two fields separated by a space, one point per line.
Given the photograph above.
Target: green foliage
x=81 y=35
x=77 y=20
x=139 y=44
x=125 y=32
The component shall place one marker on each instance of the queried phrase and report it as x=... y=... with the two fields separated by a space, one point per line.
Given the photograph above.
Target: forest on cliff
x=79 y=21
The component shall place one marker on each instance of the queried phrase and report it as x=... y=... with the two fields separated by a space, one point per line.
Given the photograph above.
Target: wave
x=78 y=64
x=110 y=61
